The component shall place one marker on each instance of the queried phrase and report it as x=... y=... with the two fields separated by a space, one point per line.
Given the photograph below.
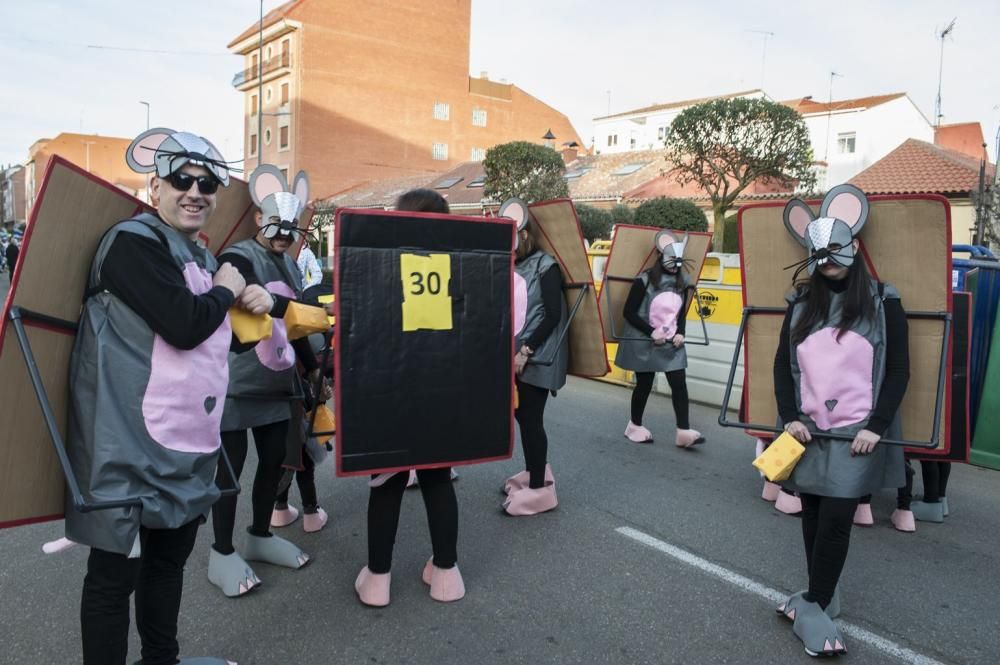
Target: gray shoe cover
x=944 y=502
x=927 y=512
x=206 y=661
x=832 y=610
x=276 y=551
x=231 y=573
x=819 y=634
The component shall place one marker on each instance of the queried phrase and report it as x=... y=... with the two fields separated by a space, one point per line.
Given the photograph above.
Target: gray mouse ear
x=141 y=153
x=265 y=180
x=301 y=187
x=848 y=204
x=797 y=217
x=516 y=209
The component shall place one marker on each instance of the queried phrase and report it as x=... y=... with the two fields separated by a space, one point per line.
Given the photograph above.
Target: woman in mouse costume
x=656 y=308
x=539 y=317
x=262 y=388
x=147 y=379
x=842 y=367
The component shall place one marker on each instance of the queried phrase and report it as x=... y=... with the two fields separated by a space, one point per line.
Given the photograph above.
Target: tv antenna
x=763 y=55
x=937 y=103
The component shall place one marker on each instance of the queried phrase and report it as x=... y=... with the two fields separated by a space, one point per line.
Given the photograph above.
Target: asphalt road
x=574 y=585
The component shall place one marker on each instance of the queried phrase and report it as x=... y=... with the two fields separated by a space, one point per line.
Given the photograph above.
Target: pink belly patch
x=520 y=303
x=182 y=406
x=275 y=353
x=836 y=384
x=663 y=312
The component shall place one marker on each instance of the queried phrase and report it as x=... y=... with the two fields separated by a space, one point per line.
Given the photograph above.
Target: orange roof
x=966 y=138
x=270 y=18
x=673 y=105
x=807 y=106
x=667 y=185
x=918 y=167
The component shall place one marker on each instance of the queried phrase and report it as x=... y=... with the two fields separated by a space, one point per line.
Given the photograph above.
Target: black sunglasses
x=207 y=184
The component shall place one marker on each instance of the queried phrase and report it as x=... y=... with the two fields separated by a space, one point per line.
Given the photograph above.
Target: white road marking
x=746 y=584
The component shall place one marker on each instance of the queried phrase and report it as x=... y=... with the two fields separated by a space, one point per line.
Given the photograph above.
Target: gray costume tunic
x=530 y=309
x=269 y=370
x=837 y=383
x=144 y=415
x=662 y=306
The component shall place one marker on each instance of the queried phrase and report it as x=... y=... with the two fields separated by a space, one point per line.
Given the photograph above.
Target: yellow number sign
x=426 y=303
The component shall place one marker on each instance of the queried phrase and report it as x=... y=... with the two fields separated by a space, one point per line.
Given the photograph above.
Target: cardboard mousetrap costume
x=905 y=241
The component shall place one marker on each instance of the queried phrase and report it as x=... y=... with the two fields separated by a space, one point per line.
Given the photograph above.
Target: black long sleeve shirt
x=634 y=302
x=303 y=350
x=141 y=272
x=897 y=369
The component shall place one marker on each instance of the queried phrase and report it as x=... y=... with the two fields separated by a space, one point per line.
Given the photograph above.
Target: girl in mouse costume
x=842 y=367
x=539 y=317
x=656 y=308
x=147 y=378
x=262 y=389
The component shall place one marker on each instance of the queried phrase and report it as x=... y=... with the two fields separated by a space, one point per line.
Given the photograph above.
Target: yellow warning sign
x=426 y=302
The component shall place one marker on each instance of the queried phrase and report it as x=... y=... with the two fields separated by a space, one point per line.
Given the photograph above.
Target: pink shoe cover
x=688 y=437
x=284 y=517
x=863 y=515
x=520 y=480
x=311 y=523
x=529 y=501
x=206 y=661
x=771 y=492
x=446 y=584
x=59 y=545
x=638 y=433
x=903 y=520
x=788 y=503
x=373 y=590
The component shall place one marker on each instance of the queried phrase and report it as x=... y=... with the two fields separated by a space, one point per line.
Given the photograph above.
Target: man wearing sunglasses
x=148 y=379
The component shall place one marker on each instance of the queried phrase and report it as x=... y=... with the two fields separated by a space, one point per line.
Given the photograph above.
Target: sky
x=583 y=57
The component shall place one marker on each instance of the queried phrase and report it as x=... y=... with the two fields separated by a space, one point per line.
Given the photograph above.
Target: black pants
x=156 y=577
x=935 y=476
x=306 y=480
x=678 y=395
x=530 y=415
x=826 y=532
x=384 y=504
x=270 y=441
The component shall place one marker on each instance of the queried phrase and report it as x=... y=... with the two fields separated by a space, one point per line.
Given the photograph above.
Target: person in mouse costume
x=656 y=308
x=539 y=317
x=842 y=366
x=263 y=391
x=148 y=378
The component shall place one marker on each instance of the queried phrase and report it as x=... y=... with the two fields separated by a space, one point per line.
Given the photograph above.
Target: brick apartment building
x=355 y=92
x=12 y=195
x=104 y=156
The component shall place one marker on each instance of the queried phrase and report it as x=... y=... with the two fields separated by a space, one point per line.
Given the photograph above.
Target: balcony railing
x=253 y=73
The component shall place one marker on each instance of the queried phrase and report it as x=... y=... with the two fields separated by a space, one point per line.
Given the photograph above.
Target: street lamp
x=146 y=104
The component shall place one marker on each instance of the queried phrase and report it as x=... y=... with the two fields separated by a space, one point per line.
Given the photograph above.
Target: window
x=612 y=140
x=576 y=173
x=254 y=64
x=442 y=111
x=477 y=154
x=284 y=94
x=479 y=117
x=448 y=182
x=478 y=181
x=629 y=169
x=267 y=53
x=284 y=172
x=661 y=133
x=253 y=105
x=253 y=144
x=845 y=143
x=268 y=94
x=286 y=52
x=631 y=142
x=283 y=137
x=440 y=151
x=267 y=136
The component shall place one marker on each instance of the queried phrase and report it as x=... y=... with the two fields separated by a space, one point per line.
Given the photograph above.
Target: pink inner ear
x=799 y=219
x=267 y=184
x=145 y=150
x=845 y=207
x=515 y=212
x=664 y=240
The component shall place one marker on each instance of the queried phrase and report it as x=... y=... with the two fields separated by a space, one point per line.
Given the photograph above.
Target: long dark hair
x=815 y=293
x=422 y=200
